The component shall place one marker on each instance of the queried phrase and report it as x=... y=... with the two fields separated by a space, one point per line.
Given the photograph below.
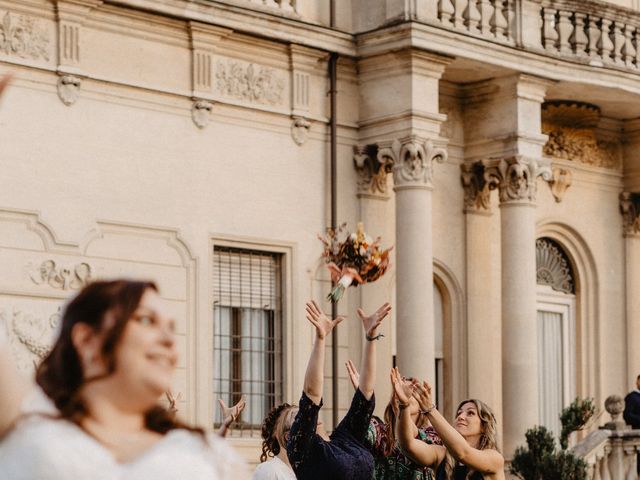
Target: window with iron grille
x=247 y=319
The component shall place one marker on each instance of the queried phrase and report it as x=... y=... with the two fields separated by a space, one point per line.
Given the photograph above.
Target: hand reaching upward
x=372 y=322
x=320 y=321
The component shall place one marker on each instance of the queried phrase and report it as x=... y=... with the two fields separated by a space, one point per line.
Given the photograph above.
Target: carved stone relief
x=69 y=89
x=249 y=82
x=553 y=267
x=630 y=210
x=300 y=129
x=24 y=37
x=560 y=181
x=33 y=332
x=515 y=177
x=412 y=161
x=571 y=127
x=62 y=278
x=372 y=170
x=477 y=185
x=201 y=112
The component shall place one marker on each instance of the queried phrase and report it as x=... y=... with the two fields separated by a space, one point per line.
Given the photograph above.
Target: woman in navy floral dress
x=343 y=455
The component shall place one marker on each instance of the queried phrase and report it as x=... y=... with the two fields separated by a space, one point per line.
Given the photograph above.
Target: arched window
x=439 y=321
x=556 y=311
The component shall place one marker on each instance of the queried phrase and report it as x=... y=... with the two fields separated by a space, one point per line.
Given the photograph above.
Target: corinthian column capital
x=477 y=184
x=372 y=171
x=412 y=160
x=516 y=177
x=630 y=210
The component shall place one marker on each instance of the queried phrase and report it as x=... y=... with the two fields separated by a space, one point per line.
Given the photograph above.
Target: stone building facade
x=189 y=142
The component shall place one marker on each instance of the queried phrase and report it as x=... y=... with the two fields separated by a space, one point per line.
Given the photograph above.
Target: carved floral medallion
x=249 y=82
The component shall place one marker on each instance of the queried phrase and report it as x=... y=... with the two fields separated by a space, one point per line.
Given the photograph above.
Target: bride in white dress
x=114 y=358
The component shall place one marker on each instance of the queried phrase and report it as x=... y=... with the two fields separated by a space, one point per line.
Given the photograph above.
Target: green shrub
x=541 y=460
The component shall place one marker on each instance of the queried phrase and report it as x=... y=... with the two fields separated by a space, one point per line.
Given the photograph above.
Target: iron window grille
x=247 y=318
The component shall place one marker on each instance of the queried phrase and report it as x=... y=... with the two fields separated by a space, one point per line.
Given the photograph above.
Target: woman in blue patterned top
x=314 y=454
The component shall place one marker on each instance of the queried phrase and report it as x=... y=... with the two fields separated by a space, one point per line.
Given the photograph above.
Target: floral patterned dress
x=397 y=465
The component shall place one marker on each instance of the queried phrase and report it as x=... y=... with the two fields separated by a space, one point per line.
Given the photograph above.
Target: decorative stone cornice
x=515 y=177
x=477 y=187
x=372 y=171
x=412 y=159
x=630 y=210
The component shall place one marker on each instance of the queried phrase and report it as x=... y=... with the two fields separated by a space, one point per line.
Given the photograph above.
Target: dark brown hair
x=60 y=374
x=274 y=428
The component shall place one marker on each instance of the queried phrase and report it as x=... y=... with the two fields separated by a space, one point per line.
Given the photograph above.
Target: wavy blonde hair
x=488 y=434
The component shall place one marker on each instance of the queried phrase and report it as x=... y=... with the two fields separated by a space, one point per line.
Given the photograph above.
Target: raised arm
x=370 y=325
x=314 y=376
x=230 y=414
x=12 y=386
x=484 y=461
x=420 y=452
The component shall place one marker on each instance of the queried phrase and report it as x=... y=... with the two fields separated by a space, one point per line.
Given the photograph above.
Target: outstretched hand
x=231 y=414
x=422 y=393
x=354 y=376
x=372 y=322
x=320 y=321
x=403 y=390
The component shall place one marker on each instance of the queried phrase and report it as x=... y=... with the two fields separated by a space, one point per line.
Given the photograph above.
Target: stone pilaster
x=630 y=210
x=204 y=41
x=70 y=18
x=484 y=365
x=375 y=207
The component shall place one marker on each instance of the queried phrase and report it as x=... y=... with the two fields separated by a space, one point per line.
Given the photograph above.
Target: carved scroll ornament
x=477 y=184
x=372 y=170
x=412 y=161
x=516 y=177
x=62 y=278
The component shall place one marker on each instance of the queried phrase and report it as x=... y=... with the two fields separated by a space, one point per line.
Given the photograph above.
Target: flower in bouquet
x=355 y=260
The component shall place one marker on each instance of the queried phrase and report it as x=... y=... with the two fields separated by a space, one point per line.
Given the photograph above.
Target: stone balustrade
x=602 y=36
x=491 y=19
x=611 y=451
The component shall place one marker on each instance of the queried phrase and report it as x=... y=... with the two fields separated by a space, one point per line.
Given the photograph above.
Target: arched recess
x=586 y=288
x=454 y=336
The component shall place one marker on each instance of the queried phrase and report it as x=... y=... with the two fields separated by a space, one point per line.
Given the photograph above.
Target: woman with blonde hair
x=470 y=450
x=275 y=431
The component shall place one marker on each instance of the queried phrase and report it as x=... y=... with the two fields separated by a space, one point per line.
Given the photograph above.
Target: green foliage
x=541 y=460
x=575 y=417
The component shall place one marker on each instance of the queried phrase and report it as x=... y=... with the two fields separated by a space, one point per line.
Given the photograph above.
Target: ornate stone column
x=515 y=177
x=412 y=159
x=375 y=210
x=483 y=288
x=630 y=209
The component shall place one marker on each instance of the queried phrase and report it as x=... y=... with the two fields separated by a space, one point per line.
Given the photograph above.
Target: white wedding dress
x=44 y=448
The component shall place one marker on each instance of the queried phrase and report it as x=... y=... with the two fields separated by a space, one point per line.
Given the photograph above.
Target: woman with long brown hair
x=114 y=358
x=470 y=450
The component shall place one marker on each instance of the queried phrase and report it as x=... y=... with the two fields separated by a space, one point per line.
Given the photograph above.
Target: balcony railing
x=587 y=31
x=611 y=451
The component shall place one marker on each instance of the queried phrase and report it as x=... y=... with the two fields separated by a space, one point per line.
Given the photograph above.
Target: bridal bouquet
x=353 y=261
